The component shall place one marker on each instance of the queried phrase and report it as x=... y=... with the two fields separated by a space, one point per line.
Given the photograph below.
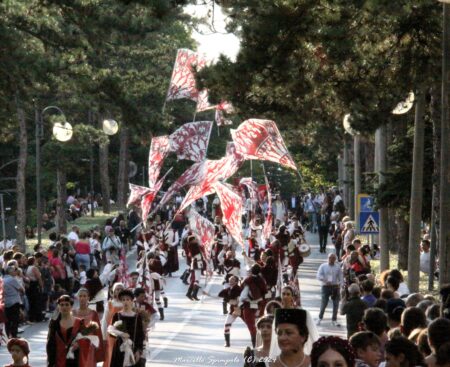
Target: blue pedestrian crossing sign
x=368 y=218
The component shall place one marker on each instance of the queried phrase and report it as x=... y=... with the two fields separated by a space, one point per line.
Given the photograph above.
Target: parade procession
x=224 y=183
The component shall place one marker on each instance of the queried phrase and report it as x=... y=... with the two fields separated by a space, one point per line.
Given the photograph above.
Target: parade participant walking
x=129 y=324
x=230 y=296
x=111 y=246
x=253 y=290
x=112 y=307
x=61 y=335
x=330 y=275
x=90 y=316
x=172 y=240
x=156 y=270
x=324 y=223
x=197 y=264
x=19 y=350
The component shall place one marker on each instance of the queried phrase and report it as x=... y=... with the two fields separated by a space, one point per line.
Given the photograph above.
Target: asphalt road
x=192 y=332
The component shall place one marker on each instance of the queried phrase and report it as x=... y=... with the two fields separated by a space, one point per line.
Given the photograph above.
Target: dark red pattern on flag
x=204 y=229
x=159 y=149
x=191 y=140
x=260 y=139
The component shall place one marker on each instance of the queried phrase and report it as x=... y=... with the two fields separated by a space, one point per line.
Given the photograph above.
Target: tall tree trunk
x=21 y=213
x=392 y=230
x=356 y=171
x=104 y=174
x=435 y=112
x=381 y=166
x=346 y=162
x=402 y=240
x=416 y=195
x=122 y=179
x=444 y=211
x=61 y=189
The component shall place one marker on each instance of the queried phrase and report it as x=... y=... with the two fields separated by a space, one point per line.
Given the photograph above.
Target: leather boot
x=227 y=340
x=189 y=292
x=285 y=278
x=166 y=302
x=254 y=340
x=195 y=292
x=161 y=314
x=185 y=276
x=224 y=308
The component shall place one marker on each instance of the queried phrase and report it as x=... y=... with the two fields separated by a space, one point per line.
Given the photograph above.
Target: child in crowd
x=368 y=297
x=19 y=350
x=367 y=347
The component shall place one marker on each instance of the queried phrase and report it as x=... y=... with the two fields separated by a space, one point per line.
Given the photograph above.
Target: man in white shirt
x=331 y=277
x=425 y=257
x=73 y=235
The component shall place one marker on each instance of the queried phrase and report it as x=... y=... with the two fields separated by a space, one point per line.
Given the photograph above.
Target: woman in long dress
x=112 y=307
x=62 y=332
x=133 y=329
x=256 y=357
x=88 y=316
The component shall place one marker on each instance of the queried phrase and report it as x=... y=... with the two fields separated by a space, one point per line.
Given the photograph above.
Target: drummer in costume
x=253 y=291
x=197 y=264
x=230 y=296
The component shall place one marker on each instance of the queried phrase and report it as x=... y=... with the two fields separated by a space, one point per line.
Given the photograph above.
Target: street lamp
x=62 y=132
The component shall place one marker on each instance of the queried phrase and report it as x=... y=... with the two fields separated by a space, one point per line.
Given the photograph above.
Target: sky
x=213 y=44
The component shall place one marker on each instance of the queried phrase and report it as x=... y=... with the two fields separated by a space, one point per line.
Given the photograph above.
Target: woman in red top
x=57 y=269
x=83 y=251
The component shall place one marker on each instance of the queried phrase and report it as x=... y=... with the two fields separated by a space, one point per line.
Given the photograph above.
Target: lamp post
x=62 y=132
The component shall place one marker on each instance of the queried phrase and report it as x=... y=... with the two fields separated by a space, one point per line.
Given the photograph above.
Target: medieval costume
x=197 y=265
x=156 y=271
x=230 y=296
x=253 y=290
x=94 y=354
x=134 y=328
x=172 y=240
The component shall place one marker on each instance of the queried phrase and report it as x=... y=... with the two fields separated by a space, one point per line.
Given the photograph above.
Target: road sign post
x=368 y=220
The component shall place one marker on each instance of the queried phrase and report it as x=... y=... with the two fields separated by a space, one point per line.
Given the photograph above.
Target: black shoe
x=161 y=314
x=195 y=292
x=189 y=292
x=227 y=340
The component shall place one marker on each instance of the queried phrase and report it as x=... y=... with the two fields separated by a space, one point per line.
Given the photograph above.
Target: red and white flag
x=182 y=83
x=204 y=229
x=191 y=140
x=203 y=101
x=251 y=187
x=144 y=280
x=221 y=120
x=214 y=171
x=2 y=307
x=159 y=149
x=260 y=139
x=231 y=206
x=267 y=228
x=123 y=269
x=192 y=176
x=136 y=194
x=147 y=200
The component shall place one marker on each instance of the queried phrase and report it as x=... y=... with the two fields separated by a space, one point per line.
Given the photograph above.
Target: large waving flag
x=231 y=205
x=191 y=140
x=251 y=187
x=204 y=229
x=203 y=102
x=182 y=83
x=213 y=171
x=136 y=194
x=260 y=139
x=159 y=149
x=147 y=199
